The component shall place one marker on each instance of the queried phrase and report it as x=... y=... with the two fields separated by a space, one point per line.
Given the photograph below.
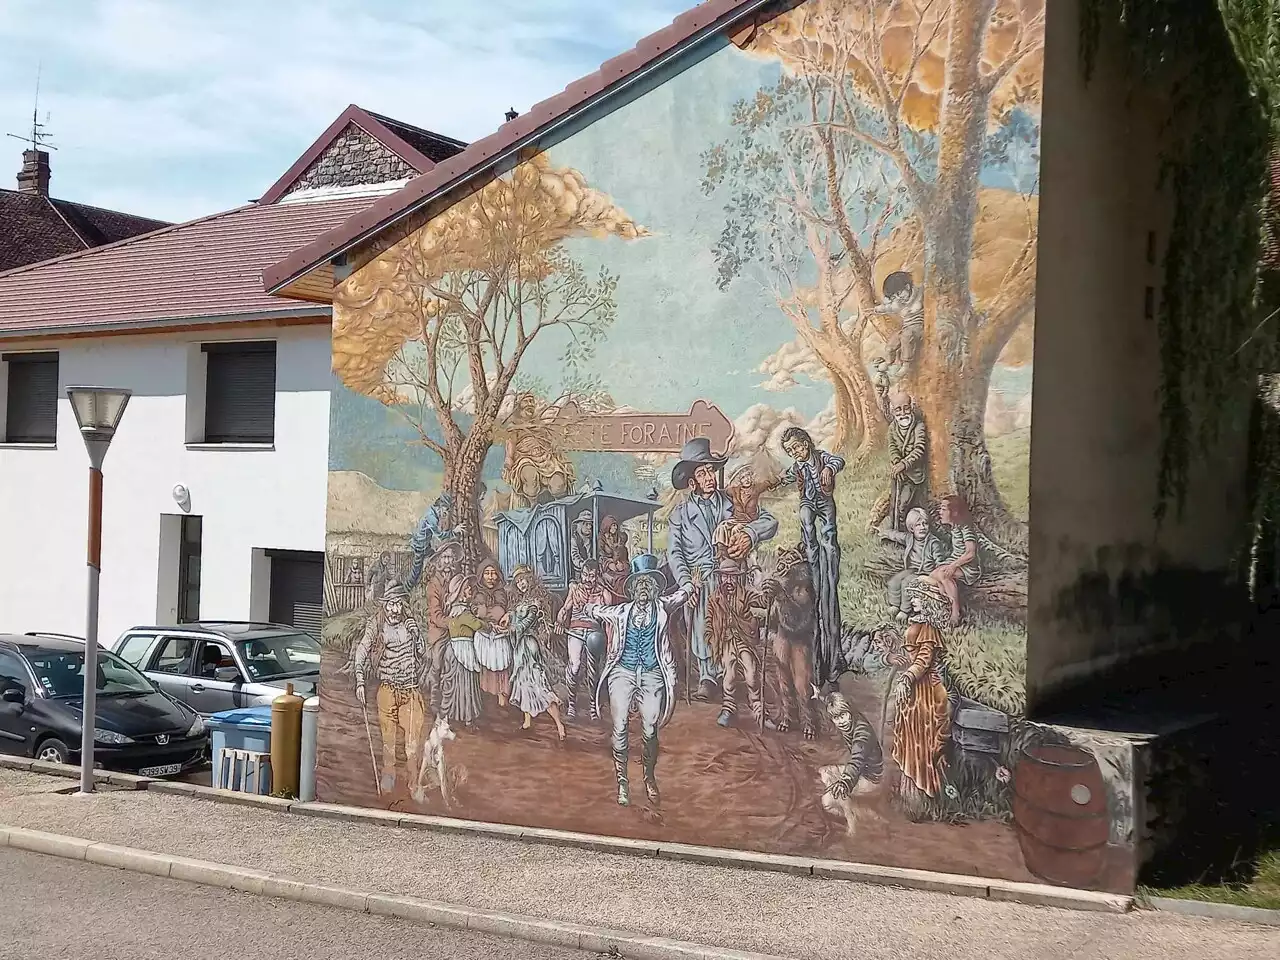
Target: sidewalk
x=771 y=913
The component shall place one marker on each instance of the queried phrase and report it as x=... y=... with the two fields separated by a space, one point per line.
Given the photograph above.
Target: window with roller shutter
x=240 y=392
x=31 y=401
x=297 y=589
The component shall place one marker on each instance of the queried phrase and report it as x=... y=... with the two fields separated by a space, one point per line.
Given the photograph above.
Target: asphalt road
x=54 y=909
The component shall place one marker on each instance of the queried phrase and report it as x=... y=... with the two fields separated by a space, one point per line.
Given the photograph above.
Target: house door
x=297 y=590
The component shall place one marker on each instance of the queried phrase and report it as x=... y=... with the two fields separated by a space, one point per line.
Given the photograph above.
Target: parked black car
x=138 y=728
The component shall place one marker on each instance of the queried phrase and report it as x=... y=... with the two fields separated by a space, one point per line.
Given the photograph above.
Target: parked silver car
x=213 y=666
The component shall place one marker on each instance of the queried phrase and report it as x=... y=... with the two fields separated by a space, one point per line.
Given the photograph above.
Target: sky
x=179 y=108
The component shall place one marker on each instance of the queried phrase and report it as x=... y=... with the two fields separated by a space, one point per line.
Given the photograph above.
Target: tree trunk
x=954 y=373
x=465 y=467
x=859 y=425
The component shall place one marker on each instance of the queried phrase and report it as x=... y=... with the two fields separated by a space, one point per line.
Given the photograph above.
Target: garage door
x=297 y=590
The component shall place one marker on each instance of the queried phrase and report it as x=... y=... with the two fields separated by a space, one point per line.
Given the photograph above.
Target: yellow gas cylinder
x=286 y=742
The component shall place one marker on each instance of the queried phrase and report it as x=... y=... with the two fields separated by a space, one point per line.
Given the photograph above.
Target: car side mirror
x=227 y=674
x=14 y=695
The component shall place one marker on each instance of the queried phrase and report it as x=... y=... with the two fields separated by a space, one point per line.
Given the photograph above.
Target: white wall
x=249 y=498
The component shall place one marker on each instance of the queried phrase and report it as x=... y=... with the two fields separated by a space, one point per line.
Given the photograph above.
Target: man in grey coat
x=690 y=545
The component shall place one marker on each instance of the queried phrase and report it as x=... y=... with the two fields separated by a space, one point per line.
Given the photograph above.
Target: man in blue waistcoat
x=639 y=666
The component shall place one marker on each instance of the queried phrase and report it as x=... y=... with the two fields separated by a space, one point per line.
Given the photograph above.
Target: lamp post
x=98 y=411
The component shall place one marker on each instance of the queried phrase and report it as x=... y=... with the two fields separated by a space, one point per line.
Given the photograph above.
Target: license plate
x=166 y=770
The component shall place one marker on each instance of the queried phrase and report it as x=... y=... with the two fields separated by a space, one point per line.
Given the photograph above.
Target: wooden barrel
x=1060 y=812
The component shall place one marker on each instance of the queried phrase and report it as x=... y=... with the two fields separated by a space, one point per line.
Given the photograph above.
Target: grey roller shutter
x=32 y=401
x=297 y=590
x=240 y=392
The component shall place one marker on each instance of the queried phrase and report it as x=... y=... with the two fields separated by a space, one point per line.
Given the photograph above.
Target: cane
x=689 y=614
x=373 y=759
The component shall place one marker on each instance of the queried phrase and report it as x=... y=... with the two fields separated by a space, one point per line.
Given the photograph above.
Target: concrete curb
x=1032 y=894
x=616 y=943
x=1216 y=911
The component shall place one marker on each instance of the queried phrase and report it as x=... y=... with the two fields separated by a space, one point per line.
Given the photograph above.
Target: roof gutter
x=534 y=135
x=164 y=323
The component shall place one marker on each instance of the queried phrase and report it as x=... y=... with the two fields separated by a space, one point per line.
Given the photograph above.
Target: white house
x=215 y=484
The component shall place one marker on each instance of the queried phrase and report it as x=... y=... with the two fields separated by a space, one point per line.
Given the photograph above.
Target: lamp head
x=98 y=410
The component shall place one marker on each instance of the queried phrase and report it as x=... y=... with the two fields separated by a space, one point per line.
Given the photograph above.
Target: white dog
x=433 y=761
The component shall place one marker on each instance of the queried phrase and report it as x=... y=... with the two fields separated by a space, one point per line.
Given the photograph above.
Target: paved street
x=773 y=913
x=52 y=909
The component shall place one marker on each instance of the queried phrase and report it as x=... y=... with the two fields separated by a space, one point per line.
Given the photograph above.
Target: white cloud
x=181 y=104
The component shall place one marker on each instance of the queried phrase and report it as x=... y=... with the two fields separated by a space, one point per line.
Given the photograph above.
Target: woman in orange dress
x=922 y=721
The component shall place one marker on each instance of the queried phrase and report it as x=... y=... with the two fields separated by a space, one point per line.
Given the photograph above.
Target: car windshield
x=62 y=674
x=280 y=656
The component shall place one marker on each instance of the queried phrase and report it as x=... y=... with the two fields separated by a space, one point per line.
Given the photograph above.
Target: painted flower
x=952 y=792
x=1003 y=774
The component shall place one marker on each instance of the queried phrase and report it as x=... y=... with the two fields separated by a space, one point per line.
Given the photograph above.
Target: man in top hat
x=691 y=544
x=639 y=666
x=394 y=650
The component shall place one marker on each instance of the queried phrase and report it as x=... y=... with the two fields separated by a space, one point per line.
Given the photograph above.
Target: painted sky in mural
x=671 y=277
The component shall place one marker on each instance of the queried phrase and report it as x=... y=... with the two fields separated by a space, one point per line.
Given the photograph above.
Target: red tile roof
x=419 y=148
x=35 y=228
x=207 y=268
x=709 y=17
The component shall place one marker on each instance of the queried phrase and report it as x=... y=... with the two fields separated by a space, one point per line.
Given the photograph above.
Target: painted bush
x=679 y=472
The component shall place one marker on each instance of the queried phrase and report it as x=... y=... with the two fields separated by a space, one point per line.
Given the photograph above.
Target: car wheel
x=53 y=750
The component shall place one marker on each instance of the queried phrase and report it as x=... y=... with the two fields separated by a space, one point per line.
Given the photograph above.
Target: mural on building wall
x=680 y=473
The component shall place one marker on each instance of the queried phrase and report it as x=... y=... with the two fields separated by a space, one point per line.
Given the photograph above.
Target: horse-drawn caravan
x=543 y=537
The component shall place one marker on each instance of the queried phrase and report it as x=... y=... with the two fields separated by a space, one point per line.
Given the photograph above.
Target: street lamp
x=98 y=411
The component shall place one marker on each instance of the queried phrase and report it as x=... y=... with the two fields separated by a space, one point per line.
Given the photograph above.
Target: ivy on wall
x=1220 y=62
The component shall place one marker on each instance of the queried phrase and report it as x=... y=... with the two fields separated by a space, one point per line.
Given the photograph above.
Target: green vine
x=1220 y=62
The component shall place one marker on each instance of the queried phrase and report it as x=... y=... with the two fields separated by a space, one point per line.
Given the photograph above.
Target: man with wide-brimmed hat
x=639 y=666
x=691 y=545
x=394 y=650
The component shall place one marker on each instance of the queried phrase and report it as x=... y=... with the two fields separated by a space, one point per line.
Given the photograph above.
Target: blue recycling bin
x=247 y=729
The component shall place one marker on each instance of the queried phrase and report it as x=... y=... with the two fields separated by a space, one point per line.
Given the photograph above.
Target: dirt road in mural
x=725 y=788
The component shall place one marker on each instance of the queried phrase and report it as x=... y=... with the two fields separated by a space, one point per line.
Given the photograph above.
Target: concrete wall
x=1108 y=584
x=272 y=497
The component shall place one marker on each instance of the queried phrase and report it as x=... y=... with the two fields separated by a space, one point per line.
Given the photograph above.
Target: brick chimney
x=34 y=177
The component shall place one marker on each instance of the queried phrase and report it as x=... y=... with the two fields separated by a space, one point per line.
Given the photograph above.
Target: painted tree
x=925 y=84
x=806 y=212
x=438 y=320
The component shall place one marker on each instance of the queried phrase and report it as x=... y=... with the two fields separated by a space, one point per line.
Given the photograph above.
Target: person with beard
x=691 y=547
x=908 y=459
x=394 y=650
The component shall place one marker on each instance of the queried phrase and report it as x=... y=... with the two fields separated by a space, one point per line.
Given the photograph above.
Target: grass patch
x=1011 y=467
x=1261 y=890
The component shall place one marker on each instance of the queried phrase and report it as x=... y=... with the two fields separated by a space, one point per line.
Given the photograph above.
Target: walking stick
x=764 y=660
x=373 y=759
x=689 y=614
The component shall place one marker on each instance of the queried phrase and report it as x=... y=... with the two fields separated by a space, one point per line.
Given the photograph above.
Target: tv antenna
x=39 y=136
